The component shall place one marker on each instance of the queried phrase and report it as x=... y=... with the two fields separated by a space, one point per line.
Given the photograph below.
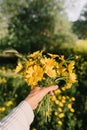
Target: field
x=81 y=46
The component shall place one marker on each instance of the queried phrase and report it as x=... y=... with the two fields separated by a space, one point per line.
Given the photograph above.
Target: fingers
x=51 y=88
x=51 y=93
x=44 y=91
x=37 y=94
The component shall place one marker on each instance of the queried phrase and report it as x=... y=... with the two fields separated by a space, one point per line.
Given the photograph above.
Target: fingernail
x=57 y=86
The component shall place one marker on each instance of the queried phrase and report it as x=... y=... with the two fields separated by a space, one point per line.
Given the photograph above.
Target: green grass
x=81 y=46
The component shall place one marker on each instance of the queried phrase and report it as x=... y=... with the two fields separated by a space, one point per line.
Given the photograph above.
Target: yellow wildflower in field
x=3 y=80
x=2 y=109
x=60 y=109
x=57 y=102
x=53 y=98
x=58 y=91
x=61 y=115
x=72 y=110
x=61 y=104
x=60 y=122
x=9 y=103
x=73 y=99
x=56 y=113
x=34 y=129
x=47 y=113
x=69 y=106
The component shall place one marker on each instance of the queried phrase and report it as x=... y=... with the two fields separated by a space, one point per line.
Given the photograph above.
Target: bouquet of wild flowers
x=43 y=70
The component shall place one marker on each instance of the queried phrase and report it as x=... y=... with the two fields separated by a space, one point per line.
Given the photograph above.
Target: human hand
x=37 y=94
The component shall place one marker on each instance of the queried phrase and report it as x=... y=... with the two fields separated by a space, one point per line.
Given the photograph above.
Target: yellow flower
x=73 y=98
x=56 y=113
x=69 y=106
x=72 y=77
x=36 y=54
x=50 y=72
x=70 y=67
x=47 y=113
x=59 y=97
x=68 y=85
x=62 y=70
x=33 y=74
x=61 y=104
x=58 y=91
x=3 y=80
x=64 y=97
x=53 y=98
x=49 y=62
x=61 y=115
x=57 y=102
x=64 y=88
x=30 y=63
x=60 y=122
x=62 y=58
x=34 y=129
x=9 y=103
x=19 y=67
x=60 y=109
x=63 y=101
x=2 y=109
x=72 y=110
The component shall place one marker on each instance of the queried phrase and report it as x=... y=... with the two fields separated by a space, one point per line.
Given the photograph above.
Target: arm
x=19 y=118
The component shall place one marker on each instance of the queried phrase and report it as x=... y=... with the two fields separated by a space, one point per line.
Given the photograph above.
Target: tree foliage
x=38 y=24
x=80 y=26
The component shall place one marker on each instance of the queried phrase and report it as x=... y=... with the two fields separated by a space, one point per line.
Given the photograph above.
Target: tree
x=39 y=24
x=80 y=26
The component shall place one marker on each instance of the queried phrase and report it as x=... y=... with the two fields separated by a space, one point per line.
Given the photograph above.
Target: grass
x=81 y=46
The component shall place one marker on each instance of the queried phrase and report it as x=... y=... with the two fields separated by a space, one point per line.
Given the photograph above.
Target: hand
x=37 y=94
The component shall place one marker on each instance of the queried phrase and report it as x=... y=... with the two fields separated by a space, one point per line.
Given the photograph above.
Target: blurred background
x=55 y=26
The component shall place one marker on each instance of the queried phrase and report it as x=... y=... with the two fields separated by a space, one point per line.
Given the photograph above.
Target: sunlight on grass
x=81 y=46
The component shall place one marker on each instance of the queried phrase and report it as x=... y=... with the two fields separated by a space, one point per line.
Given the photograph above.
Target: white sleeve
x=20 y=118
